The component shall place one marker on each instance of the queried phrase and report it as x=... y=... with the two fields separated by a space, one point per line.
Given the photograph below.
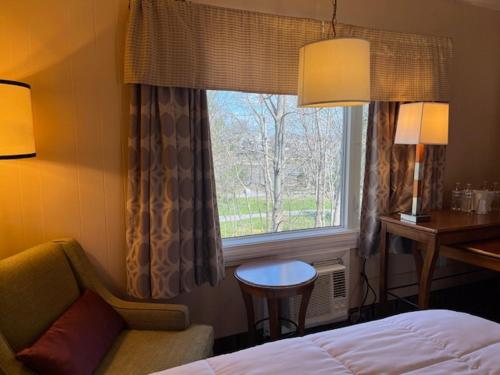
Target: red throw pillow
x=76 y=342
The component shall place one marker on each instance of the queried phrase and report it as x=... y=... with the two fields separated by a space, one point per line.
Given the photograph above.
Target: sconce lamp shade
x=422 y=123
x=334 y=72
x=16 y=121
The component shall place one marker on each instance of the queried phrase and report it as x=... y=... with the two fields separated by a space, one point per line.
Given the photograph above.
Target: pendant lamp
x=334 y=72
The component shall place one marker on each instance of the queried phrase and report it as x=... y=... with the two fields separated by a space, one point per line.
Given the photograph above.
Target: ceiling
x=491 y=4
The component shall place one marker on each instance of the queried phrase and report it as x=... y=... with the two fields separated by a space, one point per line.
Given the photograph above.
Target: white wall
x=71 y=54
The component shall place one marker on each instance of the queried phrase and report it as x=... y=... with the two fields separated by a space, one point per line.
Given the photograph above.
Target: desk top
x=276 y=273
x=449 y=221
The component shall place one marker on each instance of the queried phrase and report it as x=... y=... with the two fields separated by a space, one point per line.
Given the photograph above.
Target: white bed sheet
x=424 y=342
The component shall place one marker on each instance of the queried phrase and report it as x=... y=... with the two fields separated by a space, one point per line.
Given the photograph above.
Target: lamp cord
x=357 y=316
x=334 y=18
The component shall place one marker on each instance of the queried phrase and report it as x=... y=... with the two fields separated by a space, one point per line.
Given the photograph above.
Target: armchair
x=39 y=284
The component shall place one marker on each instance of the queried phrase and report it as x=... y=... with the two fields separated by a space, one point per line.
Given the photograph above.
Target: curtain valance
x=184 y=44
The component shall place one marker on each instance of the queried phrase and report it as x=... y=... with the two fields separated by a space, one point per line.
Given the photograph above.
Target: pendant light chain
x=334 y=18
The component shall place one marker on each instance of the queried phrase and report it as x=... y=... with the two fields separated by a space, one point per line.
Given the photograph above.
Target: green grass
x=257 y=225
x=241 y=205
x=229 y=206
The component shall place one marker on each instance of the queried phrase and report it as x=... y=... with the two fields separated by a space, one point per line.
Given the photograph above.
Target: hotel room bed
x=423 y=342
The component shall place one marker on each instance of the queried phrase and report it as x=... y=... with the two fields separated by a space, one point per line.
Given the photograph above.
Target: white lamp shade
x=16 y=121
x=334 y=72
x=422 y=123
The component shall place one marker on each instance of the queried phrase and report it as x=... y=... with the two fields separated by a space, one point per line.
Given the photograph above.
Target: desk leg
x=250 y=317
x=431 y=255
x=382 y=294
x=274 y=320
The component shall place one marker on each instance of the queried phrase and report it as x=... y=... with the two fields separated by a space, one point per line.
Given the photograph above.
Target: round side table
x=274 y=280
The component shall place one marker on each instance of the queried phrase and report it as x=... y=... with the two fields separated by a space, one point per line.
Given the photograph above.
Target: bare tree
x=270 y=114
x=322 y=160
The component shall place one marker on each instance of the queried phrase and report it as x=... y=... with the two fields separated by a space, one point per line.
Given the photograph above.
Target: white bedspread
x=424 y=342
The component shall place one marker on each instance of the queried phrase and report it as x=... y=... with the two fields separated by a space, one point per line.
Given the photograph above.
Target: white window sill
x=307 y=244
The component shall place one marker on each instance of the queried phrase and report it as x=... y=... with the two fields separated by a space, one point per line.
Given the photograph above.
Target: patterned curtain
x=388 y=179
x=173 y=233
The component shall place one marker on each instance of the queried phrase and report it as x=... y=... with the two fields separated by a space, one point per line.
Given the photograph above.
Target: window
x=280 y=168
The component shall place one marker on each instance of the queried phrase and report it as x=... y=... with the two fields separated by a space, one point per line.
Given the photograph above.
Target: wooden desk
x=446 y=228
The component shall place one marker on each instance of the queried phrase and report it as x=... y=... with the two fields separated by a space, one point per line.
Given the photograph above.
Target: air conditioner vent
x=339 y=284
x=319 y=304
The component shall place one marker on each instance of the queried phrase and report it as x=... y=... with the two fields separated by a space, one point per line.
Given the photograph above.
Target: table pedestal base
x=273 y=298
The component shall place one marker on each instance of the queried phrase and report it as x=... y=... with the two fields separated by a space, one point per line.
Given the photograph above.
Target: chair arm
x=152 y=316
x=138 y=315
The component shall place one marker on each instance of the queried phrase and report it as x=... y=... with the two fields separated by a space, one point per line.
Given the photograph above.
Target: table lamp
x=16 y=121
x=420 y=124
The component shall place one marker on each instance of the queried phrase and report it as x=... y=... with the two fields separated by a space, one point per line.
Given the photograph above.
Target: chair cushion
x=144 y=352
x=77 y=341
x=36 y=287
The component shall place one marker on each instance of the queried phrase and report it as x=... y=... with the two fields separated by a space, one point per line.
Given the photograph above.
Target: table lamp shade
x=334 y=72
x=16 y=121
x=422 y=123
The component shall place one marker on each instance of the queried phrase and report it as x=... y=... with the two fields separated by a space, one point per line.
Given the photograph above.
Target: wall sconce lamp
x=16 y=121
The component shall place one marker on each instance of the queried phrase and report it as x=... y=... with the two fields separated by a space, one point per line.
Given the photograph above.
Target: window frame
x=317 y=240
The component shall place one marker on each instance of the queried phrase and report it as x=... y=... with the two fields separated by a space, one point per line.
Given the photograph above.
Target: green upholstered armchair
x=39 y=284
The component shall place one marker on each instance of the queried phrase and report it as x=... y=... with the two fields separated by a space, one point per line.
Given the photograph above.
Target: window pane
x=277 y=167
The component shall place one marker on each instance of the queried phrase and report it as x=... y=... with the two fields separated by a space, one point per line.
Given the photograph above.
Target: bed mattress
x=423 y=342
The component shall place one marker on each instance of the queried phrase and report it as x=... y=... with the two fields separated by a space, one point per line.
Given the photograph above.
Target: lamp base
x=415 y=219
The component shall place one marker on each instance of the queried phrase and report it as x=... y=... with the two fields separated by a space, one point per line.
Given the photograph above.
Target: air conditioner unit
x=329 y=301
